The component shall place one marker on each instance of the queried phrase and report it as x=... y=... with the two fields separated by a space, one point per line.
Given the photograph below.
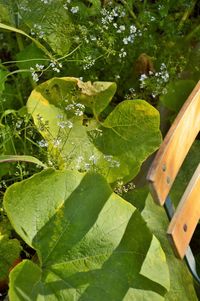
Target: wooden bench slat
x=175 y=147
x=186 y=217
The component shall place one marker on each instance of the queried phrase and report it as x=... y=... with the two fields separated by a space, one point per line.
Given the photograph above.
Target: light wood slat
x=175 y=147
x=186 y=217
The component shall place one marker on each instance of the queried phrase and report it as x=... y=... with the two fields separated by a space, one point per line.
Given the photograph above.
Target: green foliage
x=104 y=40
x=130 y=50
x=29 y=57
x=181 y=283
x=9 y=252
x=91 y=244
x=9 y=249
x=78 y=142
x=177 y=93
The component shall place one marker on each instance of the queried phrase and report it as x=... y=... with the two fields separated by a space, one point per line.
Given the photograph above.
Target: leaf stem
x=186 y=15
x=37 y=43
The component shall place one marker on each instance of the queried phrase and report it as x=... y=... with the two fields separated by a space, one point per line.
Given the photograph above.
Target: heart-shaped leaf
x=115 y=148
x=91 y=244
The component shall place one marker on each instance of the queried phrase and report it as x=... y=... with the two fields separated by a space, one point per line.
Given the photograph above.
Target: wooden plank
x=186 y=217
x=175 y=147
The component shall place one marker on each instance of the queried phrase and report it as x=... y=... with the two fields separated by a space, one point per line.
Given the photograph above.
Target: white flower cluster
x=65 y=124
x=73 y=9
x=37 y=31
x=35 y=75
x=56 y=142
x=19 y=123
x=122 y=53
x=112 y=163
x=42 y=143
x=133 y=32
x=66 y=5
x=142 y=79
x=131 y=93
x=56 y=66
x=121 y=188
x=159 y=80
x=121 y=28
x=162 y=75
x=91 y=162
x=84 y=165
x=77 y=108
x=88 y=62
x=109 y=16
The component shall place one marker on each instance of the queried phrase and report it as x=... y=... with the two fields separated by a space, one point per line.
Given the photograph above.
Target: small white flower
x=43 y=143
x=39 y=67
x=108 y=158
x=131 y=90
x=87 y=166
x=78 y=112
x=125 y=41
x=56 y=142
x=93 y=159
x=65 y=124
x=70 y=107
x=59 y=116
x=34 y=75
x=123 y=14
x=80 y=159
x=121 y=28
x=133 y=29
x=115 y=163
x=122 y=53
x=74 y=9
x=93 y=38
x=80 y=106
x=143 y=77
x=19 y=123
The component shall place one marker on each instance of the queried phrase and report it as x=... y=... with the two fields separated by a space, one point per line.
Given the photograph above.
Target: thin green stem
x=19 y=41
x=186 y=15
x=131 y=12
x=37 y=43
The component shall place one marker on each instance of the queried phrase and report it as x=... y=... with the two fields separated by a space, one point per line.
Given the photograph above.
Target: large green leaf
x=91 y=244
x=181 y=283
x=96 y=96
x=130 y=134
x=116 y=147
x=49 y=21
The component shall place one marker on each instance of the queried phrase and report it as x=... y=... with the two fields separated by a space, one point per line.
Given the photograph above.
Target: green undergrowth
x=88 y=90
